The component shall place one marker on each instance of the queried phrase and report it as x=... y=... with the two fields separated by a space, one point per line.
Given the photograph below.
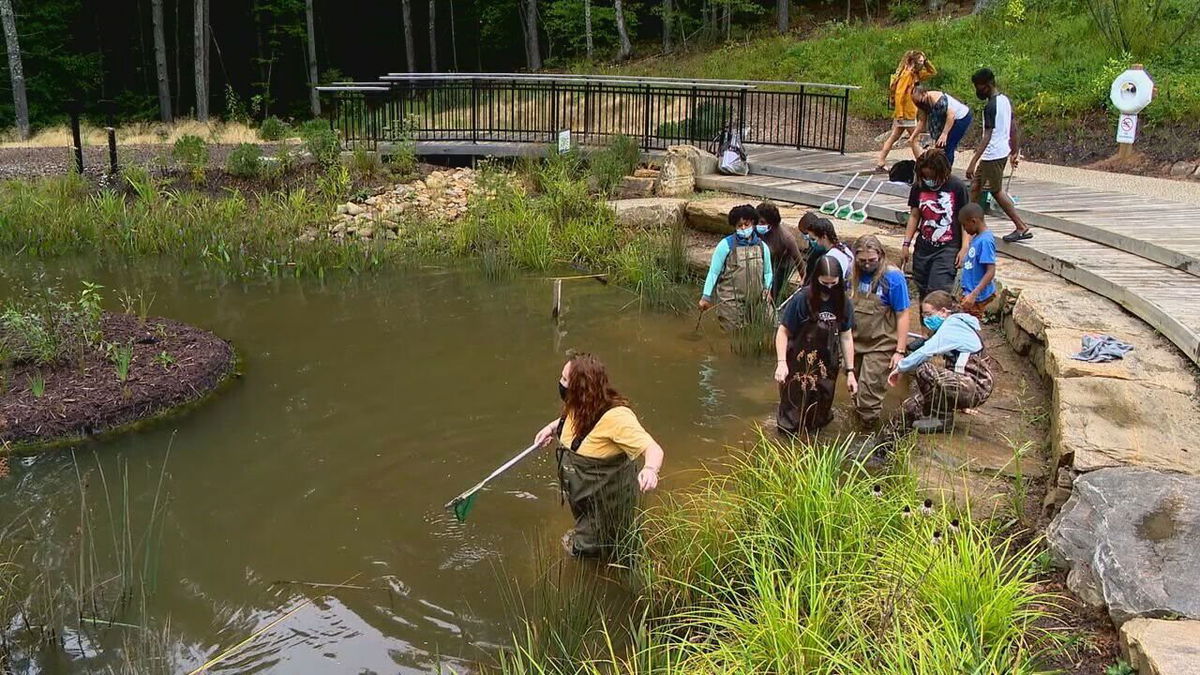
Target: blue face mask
x=746 y=232
x=762 y=229
x=817 y=248
x=933 y=322
x=931 y=184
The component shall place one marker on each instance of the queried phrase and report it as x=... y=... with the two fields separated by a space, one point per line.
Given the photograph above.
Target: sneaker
x=1017 y=235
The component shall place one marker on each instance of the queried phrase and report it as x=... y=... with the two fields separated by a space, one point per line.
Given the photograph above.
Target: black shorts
x=933 y=269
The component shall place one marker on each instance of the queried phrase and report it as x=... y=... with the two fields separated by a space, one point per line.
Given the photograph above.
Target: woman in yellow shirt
x=600 y=440
x=912 y=69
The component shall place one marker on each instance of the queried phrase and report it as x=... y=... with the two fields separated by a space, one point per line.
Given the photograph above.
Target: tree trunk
x=433 y=66
x=782 y=20
x=313 y=97
x=15 y=68
x=587 y=27
x=160 y=60
x=410 y=50
x=178 y=61
x=728 y=21
x=200 y=52
x=667 y=17
x=453 y=38
x=533 y=51
x=625 y=49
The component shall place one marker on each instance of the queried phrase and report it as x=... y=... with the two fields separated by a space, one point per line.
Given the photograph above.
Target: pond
x=366 y=403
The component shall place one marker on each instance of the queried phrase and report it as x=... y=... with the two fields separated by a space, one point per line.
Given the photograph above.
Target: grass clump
x=274 y=129
x=42 y=327
x=245 y=161
x=321 y=142
x=191 y=153
x=610 y=164
x=796 y=561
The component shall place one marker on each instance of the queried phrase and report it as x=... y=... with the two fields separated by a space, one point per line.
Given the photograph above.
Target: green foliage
x=321 y=142
x=791 y=560
x=245 y=161
x=1121 y=667
x=610 y=164
x=365 y=164
x=1053 y=62
x=1144 y=29
x=121 y=357
x=191 y=152
x=41 y=327
x=903 y=10
x=164 y=359
x=274 y=129
x=706 y=121
x=564 y=26
x=37 y=384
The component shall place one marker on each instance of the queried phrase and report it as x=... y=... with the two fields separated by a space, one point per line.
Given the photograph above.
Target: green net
x=463 y=507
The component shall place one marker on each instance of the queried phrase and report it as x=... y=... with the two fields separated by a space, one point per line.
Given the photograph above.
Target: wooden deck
x=1140 y=253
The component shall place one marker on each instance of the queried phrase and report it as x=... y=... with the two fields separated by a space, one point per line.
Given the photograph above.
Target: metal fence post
x=474 y=110
x=646 y=120
x=800 y=103
x=553 y=110
x=845 y=119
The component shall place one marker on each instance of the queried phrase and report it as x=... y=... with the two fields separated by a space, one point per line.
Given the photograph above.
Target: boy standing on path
x=979 y=267
x=1000 y=141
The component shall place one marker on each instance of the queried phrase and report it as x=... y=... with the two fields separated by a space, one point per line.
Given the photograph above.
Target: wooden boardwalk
x=1141 y=253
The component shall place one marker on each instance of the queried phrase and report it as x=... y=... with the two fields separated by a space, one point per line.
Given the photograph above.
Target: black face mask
x=868 y=268
x=982 y=95
x=562 y=391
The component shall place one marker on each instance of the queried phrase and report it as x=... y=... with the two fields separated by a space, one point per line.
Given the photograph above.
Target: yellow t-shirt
x=617 y=431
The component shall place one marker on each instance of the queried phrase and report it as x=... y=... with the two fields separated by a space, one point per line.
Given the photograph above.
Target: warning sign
x=1126 y=128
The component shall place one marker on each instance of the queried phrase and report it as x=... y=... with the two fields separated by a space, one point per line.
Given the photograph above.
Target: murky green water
x=365 y=405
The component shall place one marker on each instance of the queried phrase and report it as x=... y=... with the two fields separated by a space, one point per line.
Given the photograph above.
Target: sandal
x=1017 y=235
x=880 y=168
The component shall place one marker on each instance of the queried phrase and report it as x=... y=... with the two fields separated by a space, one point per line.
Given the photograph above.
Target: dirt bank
x=172 y=364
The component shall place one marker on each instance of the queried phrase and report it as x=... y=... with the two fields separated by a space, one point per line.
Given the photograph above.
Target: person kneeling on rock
x=962 y=378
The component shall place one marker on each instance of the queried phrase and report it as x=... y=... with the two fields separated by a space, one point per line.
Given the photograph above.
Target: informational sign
x=1126 y=128
x=564 y=141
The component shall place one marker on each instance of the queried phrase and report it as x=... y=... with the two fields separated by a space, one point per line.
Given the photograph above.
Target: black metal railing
x=657 y=112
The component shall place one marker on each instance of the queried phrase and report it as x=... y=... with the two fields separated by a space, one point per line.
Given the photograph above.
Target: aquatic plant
x=37 y=385
x=791 y=559
x=121 y=357
x=41 y=327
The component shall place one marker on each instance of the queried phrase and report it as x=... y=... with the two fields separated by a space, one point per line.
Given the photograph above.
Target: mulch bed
x=85 y=397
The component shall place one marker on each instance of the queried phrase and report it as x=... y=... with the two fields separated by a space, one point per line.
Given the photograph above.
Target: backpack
x=891 y=92
x=731 y=157
x=904 y=171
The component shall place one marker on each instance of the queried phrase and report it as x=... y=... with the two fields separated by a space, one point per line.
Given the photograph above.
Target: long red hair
x=589 y=395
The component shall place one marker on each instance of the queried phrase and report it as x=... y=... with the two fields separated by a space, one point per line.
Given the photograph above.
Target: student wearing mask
x=880 y=296
x=946 y=118
x=822 y=240
x=599 y=441
x=934 y=235
x=949 y=371
x=815 y=339
x=739 y=276
x=785 y=253
x=1000 y=141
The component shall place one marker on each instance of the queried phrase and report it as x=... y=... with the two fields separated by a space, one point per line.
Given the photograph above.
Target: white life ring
x=1131 y=91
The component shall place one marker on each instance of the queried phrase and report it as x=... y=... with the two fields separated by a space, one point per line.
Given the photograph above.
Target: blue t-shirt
x=981 y=253
x=893 y=291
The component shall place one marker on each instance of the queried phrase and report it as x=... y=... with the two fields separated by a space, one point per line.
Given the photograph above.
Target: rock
x=342 y=209
x=1151 y=362
x=645 y=173
x=1071 y=306
x=677 y=176
x=1129 y=536
x=649 y=213
x=437 y=181
x=354 y=209
x=1158 y=647
x=633 y=187
x=703 y=163
x=711 y=215
x=1183 y=169
x=1102 y=422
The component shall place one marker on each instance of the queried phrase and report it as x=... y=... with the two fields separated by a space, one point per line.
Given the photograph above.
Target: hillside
x=1054 y=63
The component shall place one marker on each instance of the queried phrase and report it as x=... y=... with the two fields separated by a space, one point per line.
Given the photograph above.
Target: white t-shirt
x=956 y=107
x=844 y=259
x=997 y=116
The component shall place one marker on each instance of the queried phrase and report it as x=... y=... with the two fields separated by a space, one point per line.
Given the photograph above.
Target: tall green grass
x=794 y=560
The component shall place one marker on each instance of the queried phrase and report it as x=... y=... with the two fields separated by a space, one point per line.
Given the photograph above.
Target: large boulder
x=677 y=175
x=1152 y=362
x=1100 y=422
x=1158 y=647
x=703 y=163
x=1129 y=536
x=649 y=213
x=635 y=187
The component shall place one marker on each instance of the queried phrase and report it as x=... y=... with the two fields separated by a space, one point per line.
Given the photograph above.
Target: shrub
x=43 y=328
x=245 y=161
x=321 y=142
x=274 y=129
x=609 y=165
x=191 y=152
x=903 y=10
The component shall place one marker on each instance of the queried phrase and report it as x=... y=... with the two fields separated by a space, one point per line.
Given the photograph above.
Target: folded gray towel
x=1102 y=349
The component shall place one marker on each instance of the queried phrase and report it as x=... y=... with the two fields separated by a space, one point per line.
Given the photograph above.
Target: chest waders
x=806 y=397
x=602 y=494
x=964 y=381
x=874 y=344
x=740 y=285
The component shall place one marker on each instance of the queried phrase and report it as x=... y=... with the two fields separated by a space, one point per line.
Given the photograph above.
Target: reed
x=792 y=559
